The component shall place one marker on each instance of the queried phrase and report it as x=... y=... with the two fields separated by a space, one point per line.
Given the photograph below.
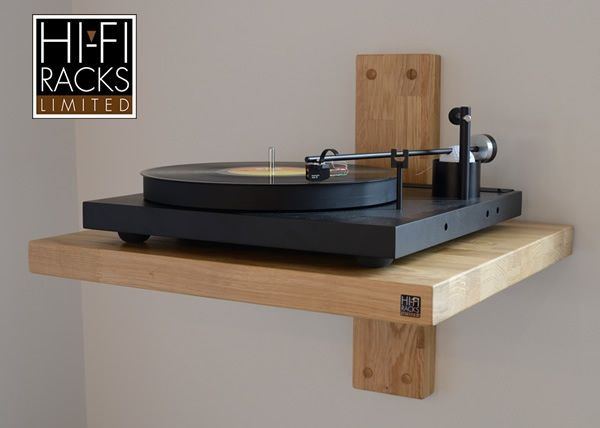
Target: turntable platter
x=250 y=186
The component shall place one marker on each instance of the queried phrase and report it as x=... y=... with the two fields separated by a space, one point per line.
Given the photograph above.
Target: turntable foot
x=373 y=262
x=133 y=238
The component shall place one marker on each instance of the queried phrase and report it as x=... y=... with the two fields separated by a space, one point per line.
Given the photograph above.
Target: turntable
x=325 y=204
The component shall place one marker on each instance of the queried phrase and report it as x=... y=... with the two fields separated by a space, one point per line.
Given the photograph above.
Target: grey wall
x=224 y=80
x=41 y=340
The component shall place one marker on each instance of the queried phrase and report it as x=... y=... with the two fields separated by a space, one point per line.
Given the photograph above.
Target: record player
x=325 y=204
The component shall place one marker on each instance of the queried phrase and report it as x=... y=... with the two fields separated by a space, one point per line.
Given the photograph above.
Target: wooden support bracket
x=394 y=358
x=397 y=106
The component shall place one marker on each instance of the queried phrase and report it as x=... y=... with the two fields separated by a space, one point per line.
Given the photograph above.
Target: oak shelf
x=448 y=279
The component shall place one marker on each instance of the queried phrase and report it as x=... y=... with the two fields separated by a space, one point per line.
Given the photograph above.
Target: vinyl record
x=249 y=186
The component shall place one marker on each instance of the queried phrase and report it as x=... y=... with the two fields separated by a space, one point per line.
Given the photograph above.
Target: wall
x=41 y=338
x=223 y=81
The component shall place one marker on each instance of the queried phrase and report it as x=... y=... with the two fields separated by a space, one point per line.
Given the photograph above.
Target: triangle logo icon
x=91 y=34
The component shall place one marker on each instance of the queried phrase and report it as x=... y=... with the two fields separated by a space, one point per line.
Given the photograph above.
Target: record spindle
x=271 y=164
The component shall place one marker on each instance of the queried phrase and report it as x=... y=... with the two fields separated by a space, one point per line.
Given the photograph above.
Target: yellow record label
x=263 y=171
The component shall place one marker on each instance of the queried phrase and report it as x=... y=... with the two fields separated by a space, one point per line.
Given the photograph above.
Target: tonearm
x=483 y=148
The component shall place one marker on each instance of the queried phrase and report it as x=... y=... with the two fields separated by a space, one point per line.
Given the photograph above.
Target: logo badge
x=410 y=306
x=84 y=66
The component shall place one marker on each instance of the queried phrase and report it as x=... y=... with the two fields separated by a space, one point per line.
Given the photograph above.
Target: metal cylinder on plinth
x=446 y=181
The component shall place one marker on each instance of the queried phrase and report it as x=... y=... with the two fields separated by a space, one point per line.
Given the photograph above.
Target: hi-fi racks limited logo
x=84 y=66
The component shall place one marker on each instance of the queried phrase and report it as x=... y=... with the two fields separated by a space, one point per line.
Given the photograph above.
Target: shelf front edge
x=65 y=256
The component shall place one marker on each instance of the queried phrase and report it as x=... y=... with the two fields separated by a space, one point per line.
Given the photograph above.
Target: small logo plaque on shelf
x=410 y=306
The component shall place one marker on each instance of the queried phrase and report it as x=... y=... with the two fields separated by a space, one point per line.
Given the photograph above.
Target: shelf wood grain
x=398 y=106
x=448 y=278
x=393 y=358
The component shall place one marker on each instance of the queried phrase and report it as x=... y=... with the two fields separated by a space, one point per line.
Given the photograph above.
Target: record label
x=264 y=171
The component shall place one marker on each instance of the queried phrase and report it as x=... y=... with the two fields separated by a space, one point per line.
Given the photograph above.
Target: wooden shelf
x=448 y=279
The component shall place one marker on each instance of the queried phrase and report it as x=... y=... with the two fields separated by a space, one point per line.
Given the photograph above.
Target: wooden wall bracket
x=397 y=106
x=394 y=358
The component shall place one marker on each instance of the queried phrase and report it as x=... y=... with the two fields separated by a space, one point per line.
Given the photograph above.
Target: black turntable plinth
x=375 y=235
